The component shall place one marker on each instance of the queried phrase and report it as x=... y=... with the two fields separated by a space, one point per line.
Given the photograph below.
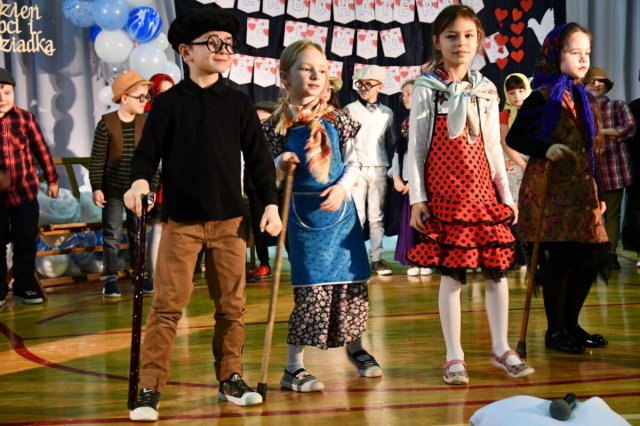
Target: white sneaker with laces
x=426 y=271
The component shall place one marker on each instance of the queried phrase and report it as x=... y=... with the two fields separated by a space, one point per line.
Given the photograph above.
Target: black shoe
x=146 y=409
x=589 y=340
x=29 y=297
x=235 y=390
x=563 y=341
x=613 y=262
x=366 y=364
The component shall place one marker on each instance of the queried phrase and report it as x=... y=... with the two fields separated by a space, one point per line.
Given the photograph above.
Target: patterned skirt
x=328 y=316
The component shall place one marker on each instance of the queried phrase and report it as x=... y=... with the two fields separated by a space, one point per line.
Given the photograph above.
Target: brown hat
x=126 y=81
x=336 y=83
x=599 y=74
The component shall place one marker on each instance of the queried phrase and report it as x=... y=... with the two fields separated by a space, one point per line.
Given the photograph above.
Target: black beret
x=200 y=19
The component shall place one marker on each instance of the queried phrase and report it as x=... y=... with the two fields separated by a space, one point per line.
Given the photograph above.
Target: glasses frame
x=366 y=86
x=230 y=48
x=141 y=98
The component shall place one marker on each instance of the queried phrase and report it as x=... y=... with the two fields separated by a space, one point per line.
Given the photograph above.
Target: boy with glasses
x=114 y=141
x=199 y=129
x=376 y=137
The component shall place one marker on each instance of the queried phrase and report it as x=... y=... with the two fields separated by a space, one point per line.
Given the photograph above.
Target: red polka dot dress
x=468 y=227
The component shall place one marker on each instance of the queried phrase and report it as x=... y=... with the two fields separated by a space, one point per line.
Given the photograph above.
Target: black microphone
x=560 y=409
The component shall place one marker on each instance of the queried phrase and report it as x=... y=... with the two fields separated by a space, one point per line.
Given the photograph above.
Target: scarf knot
x=317 y=149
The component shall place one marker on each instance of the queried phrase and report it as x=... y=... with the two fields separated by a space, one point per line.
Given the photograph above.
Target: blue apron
x=324 y=247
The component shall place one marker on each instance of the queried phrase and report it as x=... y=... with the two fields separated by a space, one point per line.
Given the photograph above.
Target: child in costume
x=559 y=123
x=329 y=266
x=199 y=129
x=375 y=138
x=456 y=161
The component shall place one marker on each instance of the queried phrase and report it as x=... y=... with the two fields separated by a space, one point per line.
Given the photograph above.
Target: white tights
x=497 y=305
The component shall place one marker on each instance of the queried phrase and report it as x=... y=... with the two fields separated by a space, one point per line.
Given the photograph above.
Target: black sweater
x=199 y=135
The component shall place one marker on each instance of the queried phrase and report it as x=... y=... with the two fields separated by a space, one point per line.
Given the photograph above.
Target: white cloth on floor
x=531 y=411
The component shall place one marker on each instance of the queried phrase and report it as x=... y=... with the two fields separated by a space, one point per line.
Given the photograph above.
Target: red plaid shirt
x=21 y=137
x=615 y=162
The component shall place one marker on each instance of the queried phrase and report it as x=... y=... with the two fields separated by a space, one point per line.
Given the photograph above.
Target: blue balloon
x=144 y=24
x=110 y=14
x=79 y=12
x=95 y=30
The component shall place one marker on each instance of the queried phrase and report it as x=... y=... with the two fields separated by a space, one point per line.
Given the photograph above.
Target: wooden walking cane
x=268 y=335
x=138 y=281
x=533 y=265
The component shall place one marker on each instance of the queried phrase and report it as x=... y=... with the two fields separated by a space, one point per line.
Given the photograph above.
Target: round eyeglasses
x=215 y=44
x=141 y=98
x=366 y=85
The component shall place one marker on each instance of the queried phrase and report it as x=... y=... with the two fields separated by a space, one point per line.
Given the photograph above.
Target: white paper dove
x=543 y=27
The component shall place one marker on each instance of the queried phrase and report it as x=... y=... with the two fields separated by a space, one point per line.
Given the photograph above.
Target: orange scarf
x=317 y=149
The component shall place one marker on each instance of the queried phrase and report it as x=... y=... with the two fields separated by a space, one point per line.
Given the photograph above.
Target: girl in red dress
x=456 y=165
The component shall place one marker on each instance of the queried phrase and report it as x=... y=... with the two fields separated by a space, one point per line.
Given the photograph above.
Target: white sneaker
x=413 y=271
x=426 y=271
x=235 y=390
x=638 y=264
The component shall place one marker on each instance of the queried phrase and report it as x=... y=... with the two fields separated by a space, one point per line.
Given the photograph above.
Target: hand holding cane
x=268 y=336
x=138 y=281
x=533 y=265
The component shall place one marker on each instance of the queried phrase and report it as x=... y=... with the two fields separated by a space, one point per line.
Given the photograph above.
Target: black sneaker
x=111 y=289
x=29 y=297
x=366 y=364
x=235 y=390
x=147 y=286
x=146 y=406
x=381 y=267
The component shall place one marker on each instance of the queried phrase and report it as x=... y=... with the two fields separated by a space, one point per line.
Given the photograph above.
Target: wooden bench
x=69 y=229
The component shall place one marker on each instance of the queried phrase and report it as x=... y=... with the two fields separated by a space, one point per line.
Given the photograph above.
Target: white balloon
x=138 y=3
x=105 y=95
x=147 y=59
x=161 y=41
x=113 y=47
x=52 y=266
x=174 y=71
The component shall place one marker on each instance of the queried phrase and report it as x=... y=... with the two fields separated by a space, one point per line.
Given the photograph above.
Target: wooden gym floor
x=66 y=361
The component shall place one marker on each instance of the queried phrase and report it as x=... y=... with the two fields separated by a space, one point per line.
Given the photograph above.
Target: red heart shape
x=397 y=2
x=252 y=25
x=526 y=5
x=329 y=5
x=258 y=63
x=516 y=14
x=289 y=28
x=350 y=42
x=487 y=44
x=310 y=33
x=374 y=42
x=306 y=3
x=396 y=77
x=235 y=61
x=434 y=4
x=400 y=39
x=266 y=31
x=517 y=28
x=517 y=41
x=517 y=55
x=323 y=39
x=352 y=6
x=404 y=74
x=501 y=50
x=502 y=62
x=501 y=14
x=249 y=68
x=359 y=2
x=502 y=39
x=379 y=2
x=273 y=70
x=362 y=36
x=419 y=3
x=412 y=7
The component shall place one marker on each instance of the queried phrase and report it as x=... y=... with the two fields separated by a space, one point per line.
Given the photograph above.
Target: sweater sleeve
x=419 y=139
x=523 y=135
x=98 y=158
